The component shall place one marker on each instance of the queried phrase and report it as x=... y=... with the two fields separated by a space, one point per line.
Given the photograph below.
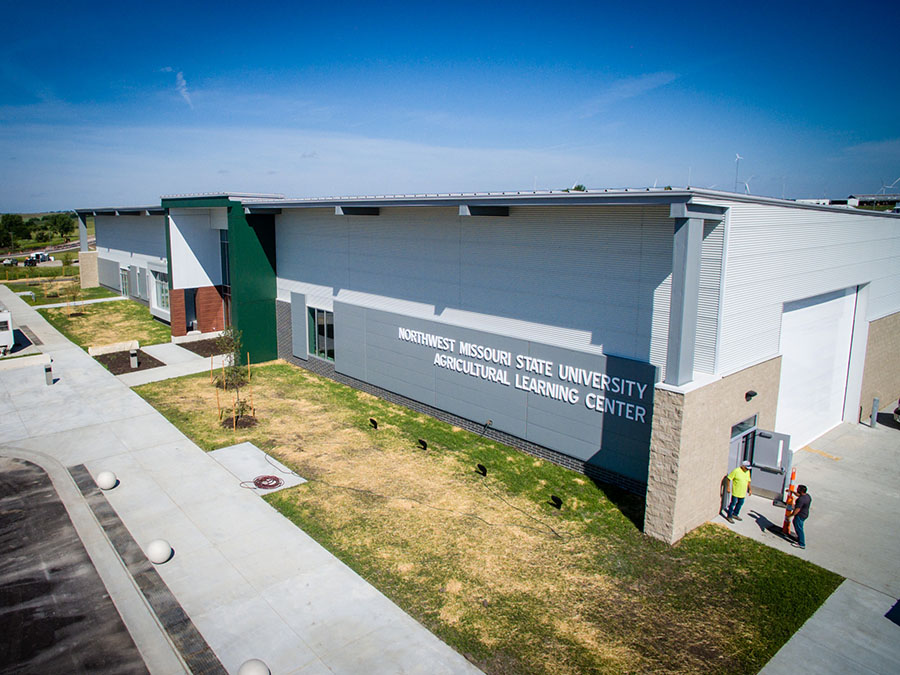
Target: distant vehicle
x=31 y=262
x=10 y=262
x=40 y=257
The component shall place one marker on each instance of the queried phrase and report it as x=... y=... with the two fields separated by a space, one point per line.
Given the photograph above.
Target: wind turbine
x=746 y=184
x=737 y=164
x=885 y=186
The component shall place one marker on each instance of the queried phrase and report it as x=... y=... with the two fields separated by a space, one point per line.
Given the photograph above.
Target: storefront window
x=321 y=333
x=161 y=289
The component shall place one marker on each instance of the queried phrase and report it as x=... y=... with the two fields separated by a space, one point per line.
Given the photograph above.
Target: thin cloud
x=181 y=86
x=166 y=69
x=622 y=90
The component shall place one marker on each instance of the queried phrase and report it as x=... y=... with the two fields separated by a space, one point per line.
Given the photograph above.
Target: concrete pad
x=140 y=377
x=244 y=630
x=848 y=634
x=851 y=528
x=171 y=354
x=245 y=461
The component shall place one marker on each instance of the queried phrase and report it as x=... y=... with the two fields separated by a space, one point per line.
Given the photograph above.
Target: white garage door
x=815 y=350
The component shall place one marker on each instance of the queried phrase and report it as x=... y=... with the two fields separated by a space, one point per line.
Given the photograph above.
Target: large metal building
x=649 y=338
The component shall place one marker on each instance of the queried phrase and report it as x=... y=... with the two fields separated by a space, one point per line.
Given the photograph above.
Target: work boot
x=729 y=519
x=738 y=518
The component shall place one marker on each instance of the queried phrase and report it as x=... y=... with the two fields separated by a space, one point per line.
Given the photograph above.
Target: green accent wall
x=251 y=253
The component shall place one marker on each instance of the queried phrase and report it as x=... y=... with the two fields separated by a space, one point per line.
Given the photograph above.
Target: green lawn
x=105 y=323
x=48 y=291
x=486 y=562
x=21 y=272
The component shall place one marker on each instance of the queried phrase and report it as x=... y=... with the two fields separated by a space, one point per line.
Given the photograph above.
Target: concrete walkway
x=254 y=585
x=80 y=302
x=852 y=473
x=179 y=361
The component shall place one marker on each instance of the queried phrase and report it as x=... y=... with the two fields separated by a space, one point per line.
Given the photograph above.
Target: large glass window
x=226 y=275
x=161 y=289
x=321 y=333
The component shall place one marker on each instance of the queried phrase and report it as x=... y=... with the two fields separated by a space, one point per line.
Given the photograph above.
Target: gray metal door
x=771 y=462
x=190 y=309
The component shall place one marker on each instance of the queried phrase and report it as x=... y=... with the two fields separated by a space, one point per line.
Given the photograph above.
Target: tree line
x=14 y=227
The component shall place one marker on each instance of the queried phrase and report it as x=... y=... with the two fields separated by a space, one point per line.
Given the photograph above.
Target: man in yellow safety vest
x=739 y=487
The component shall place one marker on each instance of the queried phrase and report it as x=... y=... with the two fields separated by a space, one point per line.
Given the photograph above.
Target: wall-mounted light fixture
x=749 y=395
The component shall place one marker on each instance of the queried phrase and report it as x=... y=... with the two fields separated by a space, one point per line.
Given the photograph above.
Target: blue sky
x=118 y=103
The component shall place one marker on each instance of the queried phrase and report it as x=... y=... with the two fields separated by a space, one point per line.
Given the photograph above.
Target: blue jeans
x=798 y=525
x=734 y=508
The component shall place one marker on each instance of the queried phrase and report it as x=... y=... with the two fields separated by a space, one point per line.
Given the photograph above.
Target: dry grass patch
x=485 y=562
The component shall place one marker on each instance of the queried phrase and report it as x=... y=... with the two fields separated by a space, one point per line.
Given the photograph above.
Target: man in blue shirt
x=800 y=514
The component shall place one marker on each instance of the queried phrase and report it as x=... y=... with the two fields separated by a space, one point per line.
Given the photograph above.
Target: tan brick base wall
x=689 y=446
x=881 y=372
x=87 y=269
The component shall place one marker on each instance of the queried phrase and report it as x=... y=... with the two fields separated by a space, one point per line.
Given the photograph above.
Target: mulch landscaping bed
x=119 y=363
x=202 y=347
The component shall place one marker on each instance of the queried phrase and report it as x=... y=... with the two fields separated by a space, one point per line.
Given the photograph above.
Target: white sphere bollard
x=254 y=667
x=159 y=551
x=107 y=480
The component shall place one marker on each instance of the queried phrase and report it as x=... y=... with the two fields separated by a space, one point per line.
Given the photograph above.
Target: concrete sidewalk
x=254 y=585
x=179 y=361
x=80 y=302
x=852 y=473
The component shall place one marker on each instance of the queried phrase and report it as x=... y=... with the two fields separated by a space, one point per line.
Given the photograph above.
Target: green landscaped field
x=105 y=323
x=486 y=562
x=21 y=272
x=50 y=291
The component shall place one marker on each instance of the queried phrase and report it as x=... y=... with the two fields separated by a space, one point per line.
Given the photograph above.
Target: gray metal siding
x=588 y=278
x=708 y=305
x=299 y=334
x=108 y=273
x=368 y=348
x=133 y=286
x=777 y=255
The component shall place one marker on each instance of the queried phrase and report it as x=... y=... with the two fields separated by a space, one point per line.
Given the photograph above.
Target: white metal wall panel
x=781 y=254
x=595 y=278
x=708 y=304
x=815 y=348
x=131 y=240
x=196 y=254
x=142 y=235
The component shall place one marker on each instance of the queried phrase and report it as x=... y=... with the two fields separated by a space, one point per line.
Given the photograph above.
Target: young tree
x=233 y=376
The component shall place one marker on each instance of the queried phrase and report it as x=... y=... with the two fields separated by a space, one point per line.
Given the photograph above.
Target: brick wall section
x=176 y=312
x=881 y=372
x=326 y=369
x=87 y=269
x=210 y=310
x=689 y=446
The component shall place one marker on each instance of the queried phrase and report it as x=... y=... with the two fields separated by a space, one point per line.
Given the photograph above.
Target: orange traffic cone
x=786 y=528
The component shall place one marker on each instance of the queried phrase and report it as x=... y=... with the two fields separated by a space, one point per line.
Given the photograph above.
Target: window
x=321 y=333
x=161 y=290
x=4 y=326
x=226 y=275
x=123 y=277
